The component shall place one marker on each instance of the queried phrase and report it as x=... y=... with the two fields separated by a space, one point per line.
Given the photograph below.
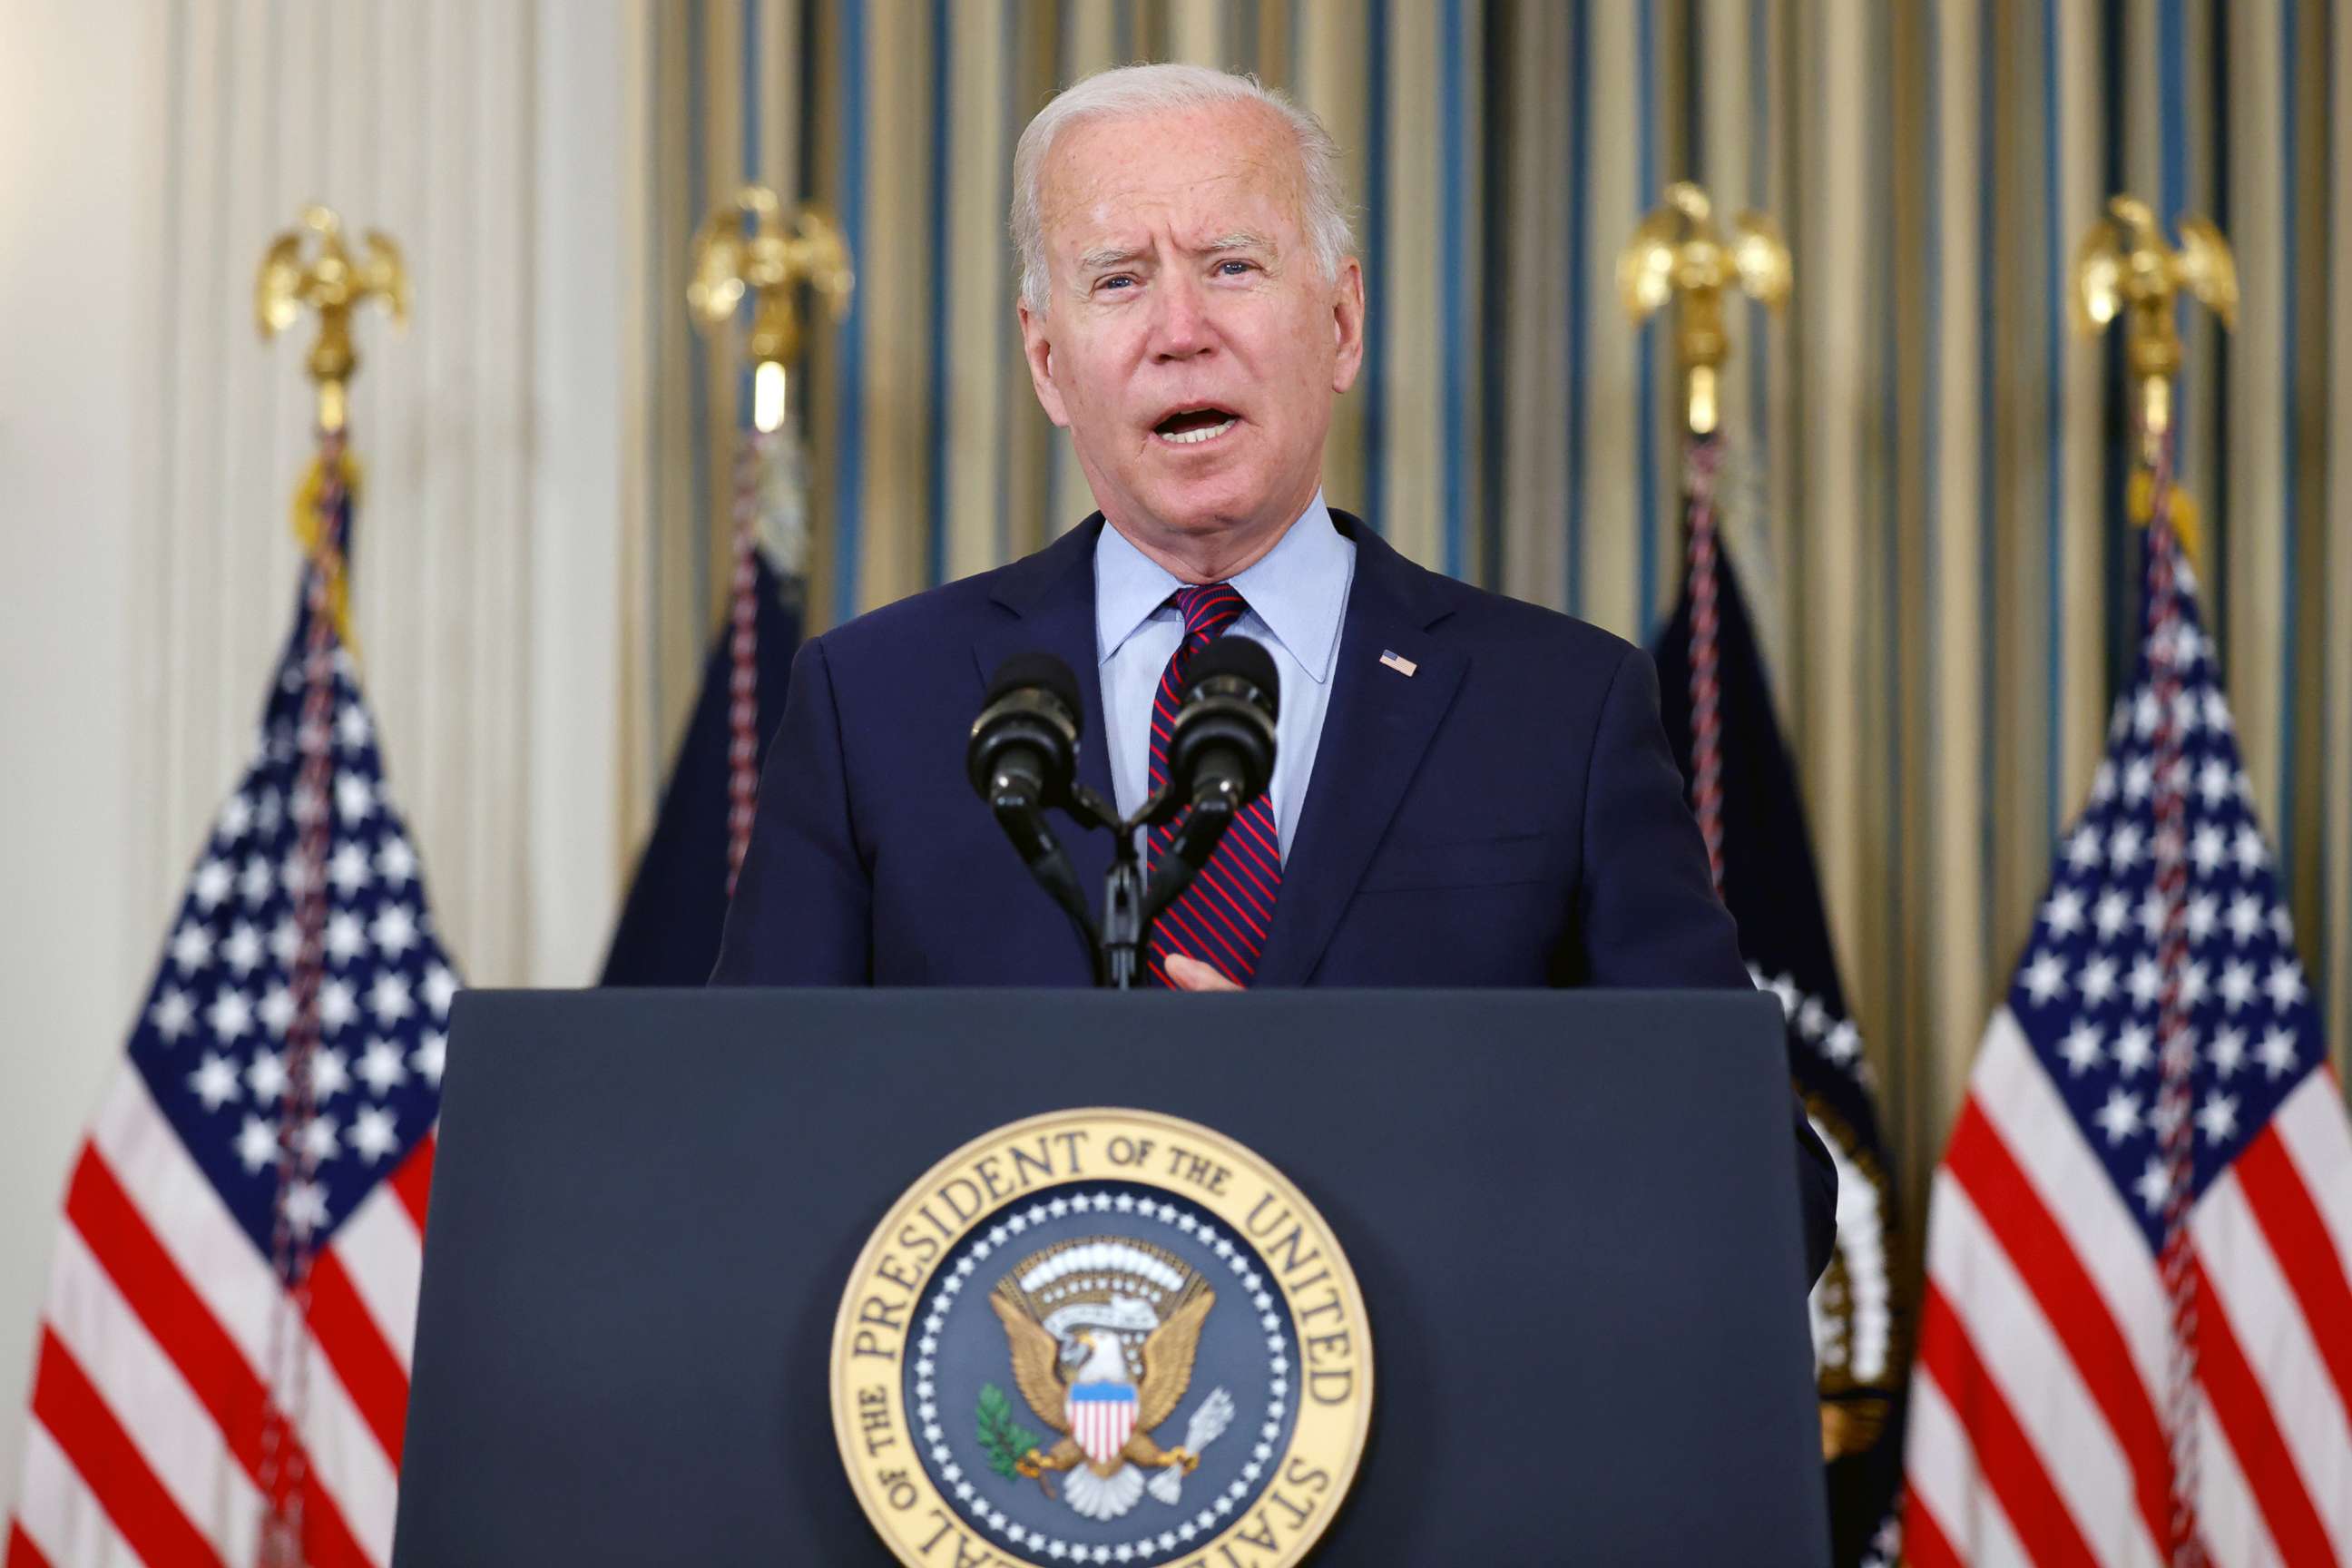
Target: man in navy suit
x=1468 y=790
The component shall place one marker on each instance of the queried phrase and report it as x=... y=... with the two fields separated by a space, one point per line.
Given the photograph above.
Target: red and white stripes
x=2037 y=1430
x=150 y=1398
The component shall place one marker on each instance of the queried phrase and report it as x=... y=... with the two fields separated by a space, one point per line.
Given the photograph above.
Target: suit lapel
x=1051 y=597
x=1380 y=723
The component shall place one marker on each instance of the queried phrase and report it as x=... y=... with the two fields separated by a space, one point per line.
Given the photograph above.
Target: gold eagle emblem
x=1122 y=1320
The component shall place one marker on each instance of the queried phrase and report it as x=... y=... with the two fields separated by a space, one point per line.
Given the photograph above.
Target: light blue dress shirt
x=1297 y=595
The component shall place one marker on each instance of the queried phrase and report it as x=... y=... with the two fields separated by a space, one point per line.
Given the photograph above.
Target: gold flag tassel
x=319 y=517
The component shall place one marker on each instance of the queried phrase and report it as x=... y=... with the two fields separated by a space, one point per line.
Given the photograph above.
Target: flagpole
x=330 y=281
x=1678 y=254
x=2125 y=269
x=752 y=247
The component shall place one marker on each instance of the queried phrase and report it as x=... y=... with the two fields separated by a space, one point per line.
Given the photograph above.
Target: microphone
x=1221 y=744
x=1024 y=748
x=1220 y=758
x=1021 y=756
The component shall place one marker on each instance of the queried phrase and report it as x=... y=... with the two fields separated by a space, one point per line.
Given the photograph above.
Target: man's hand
x=1192 y=974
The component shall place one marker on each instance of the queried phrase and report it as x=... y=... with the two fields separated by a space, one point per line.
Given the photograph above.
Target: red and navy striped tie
x=1222 y=916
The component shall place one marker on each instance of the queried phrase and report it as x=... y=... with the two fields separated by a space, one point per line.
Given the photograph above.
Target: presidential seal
x=1102 y=1336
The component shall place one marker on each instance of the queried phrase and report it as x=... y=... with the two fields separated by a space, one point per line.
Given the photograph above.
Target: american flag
x=180 y=1384
x=2067 y=1380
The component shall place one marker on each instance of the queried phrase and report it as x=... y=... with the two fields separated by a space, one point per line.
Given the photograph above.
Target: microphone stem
x=1197 y=838
x=1024 y=824
x=1125 y=920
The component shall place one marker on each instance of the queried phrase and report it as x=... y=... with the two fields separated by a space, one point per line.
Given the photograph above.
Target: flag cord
x=293 y=1217
x=2177 y=1260
x=751 y=461
x=1701 y=459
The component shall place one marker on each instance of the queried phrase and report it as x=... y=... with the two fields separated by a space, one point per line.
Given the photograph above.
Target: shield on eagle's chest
x=1102 y=1418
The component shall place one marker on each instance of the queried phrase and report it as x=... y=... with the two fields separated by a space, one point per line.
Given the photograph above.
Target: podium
x=1573 y=1216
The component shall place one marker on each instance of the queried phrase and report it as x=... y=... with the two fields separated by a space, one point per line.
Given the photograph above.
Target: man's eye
x=1235 y=268
x=1116 y=281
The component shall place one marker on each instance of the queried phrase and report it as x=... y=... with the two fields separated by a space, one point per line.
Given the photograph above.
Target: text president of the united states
x=1468 y=790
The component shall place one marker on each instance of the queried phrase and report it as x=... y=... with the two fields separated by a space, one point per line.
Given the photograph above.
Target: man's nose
x=1180 y=328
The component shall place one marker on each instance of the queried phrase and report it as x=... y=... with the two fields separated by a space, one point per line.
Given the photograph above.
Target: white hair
x=1131 y=91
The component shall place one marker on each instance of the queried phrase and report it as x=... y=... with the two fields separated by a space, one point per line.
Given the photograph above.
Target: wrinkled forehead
x=1195 y=176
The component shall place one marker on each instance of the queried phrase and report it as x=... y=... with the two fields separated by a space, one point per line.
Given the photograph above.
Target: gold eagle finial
x=1679 y=250
x=2125 y=269
x=751 y=246
x=331 y=281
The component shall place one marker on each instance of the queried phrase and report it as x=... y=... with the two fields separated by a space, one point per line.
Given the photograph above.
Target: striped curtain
x=1927 y=470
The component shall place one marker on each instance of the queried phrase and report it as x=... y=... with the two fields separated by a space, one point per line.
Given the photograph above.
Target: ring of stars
x=949 y=1290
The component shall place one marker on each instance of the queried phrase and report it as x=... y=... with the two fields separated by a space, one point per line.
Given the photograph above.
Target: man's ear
x=1348 y=325
x=1037 y=348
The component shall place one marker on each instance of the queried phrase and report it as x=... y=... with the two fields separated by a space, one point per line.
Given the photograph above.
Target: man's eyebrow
x=1105 y=255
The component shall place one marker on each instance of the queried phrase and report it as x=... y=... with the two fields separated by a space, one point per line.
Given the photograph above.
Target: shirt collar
x=1298 y=589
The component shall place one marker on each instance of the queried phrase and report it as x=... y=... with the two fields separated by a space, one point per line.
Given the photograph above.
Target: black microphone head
x=1240 y=659
x=1024 y=744
x=1044 y=670
x=1223 y=732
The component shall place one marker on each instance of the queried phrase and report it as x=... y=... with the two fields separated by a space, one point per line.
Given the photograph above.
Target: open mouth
x=1195 y=427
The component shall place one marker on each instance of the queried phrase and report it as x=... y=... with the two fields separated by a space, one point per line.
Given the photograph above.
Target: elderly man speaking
x=1467 y=790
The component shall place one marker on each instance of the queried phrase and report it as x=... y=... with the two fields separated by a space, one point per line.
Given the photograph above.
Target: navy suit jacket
x=1506 y=814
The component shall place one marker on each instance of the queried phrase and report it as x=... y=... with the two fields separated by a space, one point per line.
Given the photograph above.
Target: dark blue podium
x=1573 y=1217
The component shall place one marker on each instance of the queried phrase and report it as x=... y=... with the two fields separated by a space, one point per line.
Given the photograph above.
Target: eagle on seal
x=1081 y=1386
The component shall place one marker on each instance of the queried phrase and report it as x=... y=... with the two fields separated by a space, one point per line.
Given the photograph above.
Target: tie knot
x=1208 y=609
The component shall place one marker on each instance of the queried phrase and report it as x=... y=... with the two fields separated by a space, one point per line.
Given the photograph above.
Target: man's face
x=1190 y=344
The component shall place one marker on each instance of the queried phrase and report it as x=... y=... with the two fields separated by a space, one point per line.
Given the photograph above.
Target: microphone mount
x=1131 y=901
x=1023 y=759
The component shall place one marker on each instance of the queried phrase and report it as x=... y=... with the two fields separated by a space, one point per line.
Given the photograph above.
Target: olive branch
x=1003 y=1438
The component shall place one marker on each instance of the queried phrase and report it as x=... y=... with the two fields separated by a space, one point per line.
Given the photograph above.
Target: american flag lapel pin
x=1398 y=662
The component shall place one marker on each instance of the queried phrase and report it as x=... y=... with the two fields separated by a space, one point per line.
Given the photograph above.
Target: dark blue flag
x=670 y=923
x=1772 y=889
